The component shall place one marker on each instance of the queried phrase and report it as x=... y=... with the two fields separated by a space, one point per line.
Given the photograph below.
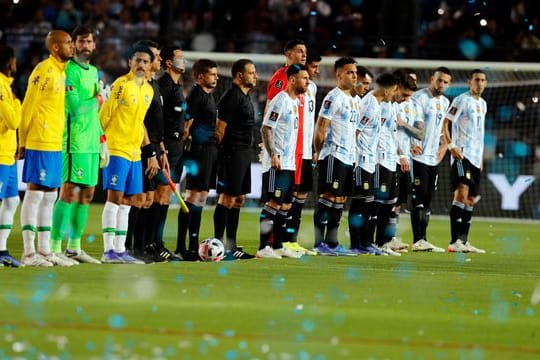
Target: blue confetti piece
x=530 y=312
x=339 y=318
x=353 y=274
x=188 y=325
x=90 y=346
x=222 y=271
x=476 y=312
x=460 y=257
x=12 y=299
x=231 y=355
x=308 y=325
x=278 y=282
x=79 y=310
x=179 y=279
x=51 y=275
x=154 y=308
x=117 y=321
x=242 y=345
x=300 y=337
x=90 y=239
x=303 y=355
x=229 y=333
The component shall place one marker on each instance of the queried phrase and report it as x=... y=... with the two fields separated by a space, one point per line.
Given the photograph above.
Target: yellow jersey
x=43 y=112
x=122 y=116
x=10 y=119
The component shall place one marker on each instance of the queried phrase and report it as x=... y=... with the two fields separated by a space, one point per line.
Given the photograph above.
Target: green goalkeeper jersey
x=83 y=128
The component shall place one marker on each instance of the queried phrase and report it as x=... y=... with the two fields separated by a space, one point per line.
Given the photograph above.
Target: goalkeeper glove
x=104 y=156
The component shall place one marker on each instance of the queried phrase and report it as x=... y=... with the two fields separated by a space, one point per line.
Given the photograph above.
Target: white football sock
x=122 y=222
x=7 y=211
x=108 y=224
x=29 y=215
x=45 y=221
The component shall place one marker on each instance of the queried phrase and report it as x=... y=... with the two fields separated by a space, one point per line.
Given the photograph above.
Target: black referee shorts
x=201 y=167
x=234 y=171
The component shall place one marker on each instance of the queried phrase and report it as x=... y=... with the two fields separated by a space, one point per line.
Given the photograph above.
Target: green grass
x=418 y=306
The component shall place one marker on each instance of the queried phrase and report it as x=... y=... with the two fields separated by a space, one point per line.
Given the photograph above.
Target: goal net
x=510 y=186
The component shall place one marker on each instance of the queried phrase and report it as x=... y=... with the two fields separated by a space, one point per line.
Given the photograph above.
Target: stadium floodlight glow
x=535 y=99
x=483 y=22
x=440 y=11
x=15 y=1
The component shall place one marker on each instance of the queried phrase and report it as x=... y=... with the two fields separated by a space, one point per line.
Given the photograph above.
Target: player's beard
x=83 y=56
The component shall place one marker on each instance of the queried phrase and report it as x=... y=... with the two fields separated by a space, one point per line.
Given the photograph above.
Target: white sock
x=108 y=224
x=29 y=215
x=121 y=228
x=45 y=221
x=7 y=211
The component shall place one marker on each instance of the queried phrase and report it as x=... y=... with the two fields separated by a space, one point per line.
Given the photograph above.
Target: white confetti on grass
x=535 y=296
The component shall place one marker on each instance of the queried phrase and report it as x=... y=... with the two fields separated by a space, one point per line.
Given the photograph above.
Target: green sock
x=79 y=218
x=61 y=215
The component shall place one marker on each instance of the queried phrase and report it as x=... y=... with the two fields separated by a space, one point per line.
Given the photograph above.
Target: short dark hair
x=342 y=61
x=363 y=71
x=386 y=80
x=313 y=56
x=239 y=66
x=444 y=70
x=167 y=52
x=201 y=66
x=289 y=45
x=147 y=43
x=476 y=71
x=83 y=29
x=295 y=69
x=6 y=56
x=404 y=79
x=143 y=49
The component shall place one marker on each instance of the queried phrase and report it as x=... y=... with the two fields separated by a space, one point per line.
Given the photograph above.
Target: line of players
x=366 y=145
x=355 y=147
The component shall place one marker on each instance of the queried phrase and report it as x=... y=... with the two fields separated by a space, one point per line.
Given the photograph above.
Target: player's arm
x=403 y=161
x=416 y=131
x=29 y=105
x=220 y=130
x=151 y=155
x=266 y=134
x=319 y=136
x=73 y=83
x=11 y=111
x=110 y=105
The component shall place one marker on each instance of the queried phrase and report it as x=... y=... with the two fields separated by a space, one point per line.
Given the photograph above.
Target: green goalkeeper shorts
x=81 y=169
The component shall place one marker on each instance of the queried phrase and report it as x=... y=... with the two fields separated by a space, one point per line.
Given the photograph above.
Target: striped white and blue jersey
x=309 y=119
x=432 y=111
x=408 y=112
x=387 y=147
x=342 y=111
x=282 y=116
x=369 y=126
x=468 y=116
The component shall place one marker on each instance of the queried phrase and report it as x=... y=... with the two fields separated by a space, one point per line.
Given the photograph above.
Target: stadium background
x=373 y=31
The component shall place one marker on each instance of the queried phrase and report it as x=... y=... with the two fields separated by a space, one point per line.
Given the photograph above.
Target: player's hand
x=152 y=168
x=20 y=153
x=400 y=122
x=275 y=162
x=104 y=156
x=456 y=153
x=164 y=160
x=416 y=150
x=404 y=164
x=314 y=159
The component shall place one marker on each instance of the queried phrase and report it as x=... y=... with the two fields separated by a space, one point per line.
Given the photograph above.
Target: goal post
x=510 y=184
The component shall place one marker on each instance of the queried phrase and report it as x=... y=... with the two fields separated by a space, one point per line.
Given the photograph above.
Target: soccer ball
x=211 y=249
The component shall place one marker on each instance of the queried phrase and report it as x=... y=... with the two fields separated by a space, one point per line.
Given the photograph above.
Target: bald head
x=60 y=45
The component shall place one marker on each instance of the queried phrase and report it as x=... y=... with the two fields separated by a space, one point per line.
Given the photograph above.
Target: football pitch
x=417 y=306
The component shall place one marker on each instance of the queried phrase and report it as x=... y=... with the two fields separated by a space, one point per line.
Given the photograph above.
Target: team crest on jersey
x=453 y=110
x=278 y=84
x=327 y=104
x=273 y=116
x=42 y=175
x=364 y=120
x=417 y=181
x=438 y=107
x=146 y=99
x=478 y=108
